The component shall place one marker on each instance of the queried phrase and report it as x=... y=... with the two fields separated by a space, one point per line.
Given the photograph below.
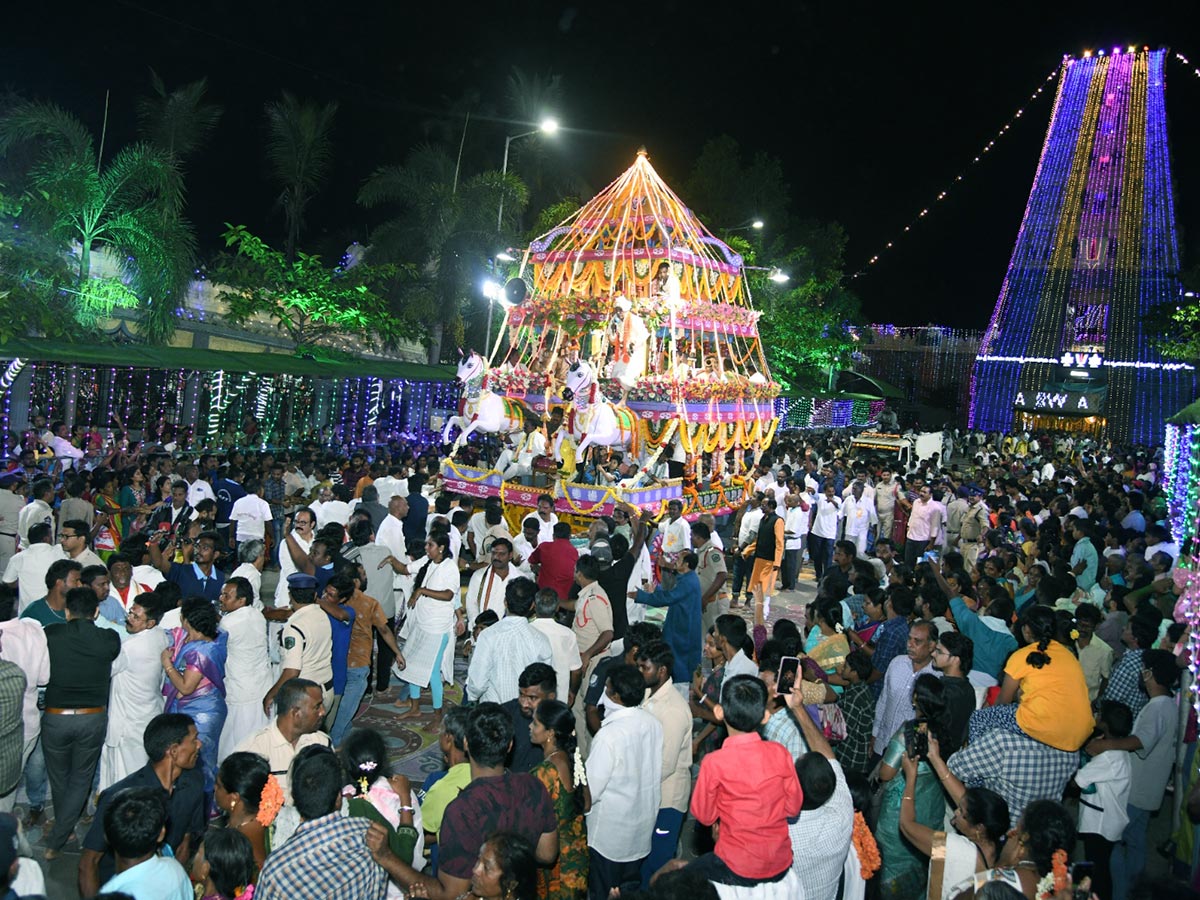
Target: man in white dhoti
x=531 y=445
x=135 y=695
x=247 y=665
x=629 y=346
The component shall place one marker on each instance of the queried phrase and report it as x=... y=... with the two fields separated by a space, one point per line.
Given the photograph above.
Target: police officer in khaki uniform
x=974 y=523
x=12 y=501
x=306 y=641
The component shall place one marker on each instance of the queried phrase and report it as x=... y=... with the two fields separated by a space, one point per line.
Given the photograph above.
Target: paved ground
x=415 y=753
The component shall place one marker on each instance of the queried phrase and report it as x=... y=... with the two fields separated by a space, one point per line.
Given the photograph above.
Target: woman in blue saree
x=195 y=685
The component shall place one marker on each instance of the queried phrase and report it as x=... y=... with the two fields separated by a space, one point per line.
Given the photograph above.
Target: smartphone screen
x=789 y=668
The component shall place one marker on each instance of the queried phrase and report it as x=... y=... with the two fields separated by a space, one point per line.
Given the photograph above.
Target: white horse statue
x=478 y=408
x=593 y=420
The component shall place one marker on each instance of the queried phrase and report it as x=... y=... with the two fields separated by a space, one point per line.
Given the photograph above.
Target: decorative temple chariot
x=628 y=336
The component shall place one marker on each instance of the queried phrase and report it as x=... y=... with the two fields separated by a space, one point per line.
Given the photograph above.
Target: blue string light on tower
x=1096 y=258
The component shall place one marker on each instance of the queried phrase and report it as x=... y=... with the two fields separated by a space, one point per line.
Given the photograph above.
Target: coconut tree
x=447 y=230
x=299 y=153
x=178 y=122
x=131 y=204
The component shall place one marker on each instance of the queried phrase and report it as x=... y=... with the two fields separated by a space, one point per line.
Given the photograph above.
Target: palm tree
x=133 y=206
x=447 y=232
x=178 y=122
x=299 y=152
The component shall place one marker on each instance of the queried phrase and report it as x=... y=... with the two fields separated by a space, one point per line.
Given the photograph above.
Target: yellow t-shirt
x=1054 y=706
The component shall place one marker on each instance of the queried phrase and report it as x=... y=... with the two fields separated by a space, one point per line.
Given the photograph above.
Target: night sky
x=873 y=109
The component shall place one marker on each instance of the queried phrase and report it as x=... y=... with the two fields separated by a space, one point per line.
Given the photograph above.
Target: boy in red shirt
x=750 y=790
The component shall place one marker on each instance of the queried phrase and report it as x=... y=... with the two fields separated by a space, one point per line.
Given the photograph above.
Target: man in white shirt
x=197 y=488
x=37 y=510
x=858 y=512
x=251 y=513
x=303 y=523
x=564 y=648
x=730 y=636
x=390 y=532
x=27 y=570
x=677 y=535
x=506 y=648
x=823 y=524
x=894 y=706
x=247 y=662
x=135 y=694
x=546 y=518
x=486 y=589
x=61 y=446
x=393 y=484
x=795 y=536
x=624 y=774
x=526 y=542
x=252 y=556
x=656 y=661
x=821 y=834
x=23 y=643
x=531 y=445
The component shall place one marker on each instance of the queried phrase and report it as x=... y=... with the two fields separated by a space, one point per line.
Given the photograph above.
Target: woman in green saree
x=904 y=870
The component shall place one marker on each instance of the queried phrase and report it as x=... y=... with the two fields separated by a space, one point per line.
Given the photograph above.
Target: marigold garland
x=864 y=844
x=270 y=803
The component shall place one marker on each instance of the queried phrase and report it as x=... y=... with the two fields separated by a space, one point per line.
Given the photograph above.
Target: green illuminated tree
x=805 y=325
x=307 y=299
x=299 y=153
x=131 y=205
x=445 y=232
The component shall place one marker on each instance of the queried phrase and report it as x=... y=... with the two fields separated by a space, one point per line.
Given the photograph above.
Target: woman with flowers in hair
x=561 y=771
x=832 y=645
x=243 y=783
x=374 y=793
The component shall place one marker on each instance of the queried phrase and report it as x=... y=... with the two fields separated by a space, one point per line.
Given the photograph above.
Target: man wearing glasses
x=74 y=537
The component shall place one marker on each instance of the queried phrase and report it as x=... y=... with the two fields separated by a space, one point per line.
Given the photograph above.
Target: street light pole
x=548 y=126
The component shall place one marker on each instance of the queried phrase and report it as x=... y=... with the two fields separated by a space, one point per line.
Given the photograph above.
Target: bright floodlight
x=779 y=277
x=505 y=257
x=493 y=290
x=549 y=126
x=757 y=224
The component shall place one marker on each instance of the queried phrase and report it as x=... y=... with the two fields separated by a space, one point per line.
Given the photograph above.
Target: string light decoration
x=802 y=413
x=1095 y=259
x=11 y=372
x=945 y=192
x=930 y=364
x=1181 y=471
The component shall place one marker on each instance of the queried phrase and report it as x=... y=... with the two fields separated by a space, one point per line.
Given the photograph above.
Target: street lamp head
x=757 y=224
x=503 y=256
x=779 y=277
x=549 y=125
x=492 y=290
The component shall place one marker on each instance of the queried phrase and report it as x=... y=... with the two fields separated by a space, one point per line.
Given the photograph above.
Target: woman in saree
x=553 y=730
x=133 y=495
x=904 y=869
x=195 y=668
x=831 y=647
x=980 y=823
x=109 y=512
